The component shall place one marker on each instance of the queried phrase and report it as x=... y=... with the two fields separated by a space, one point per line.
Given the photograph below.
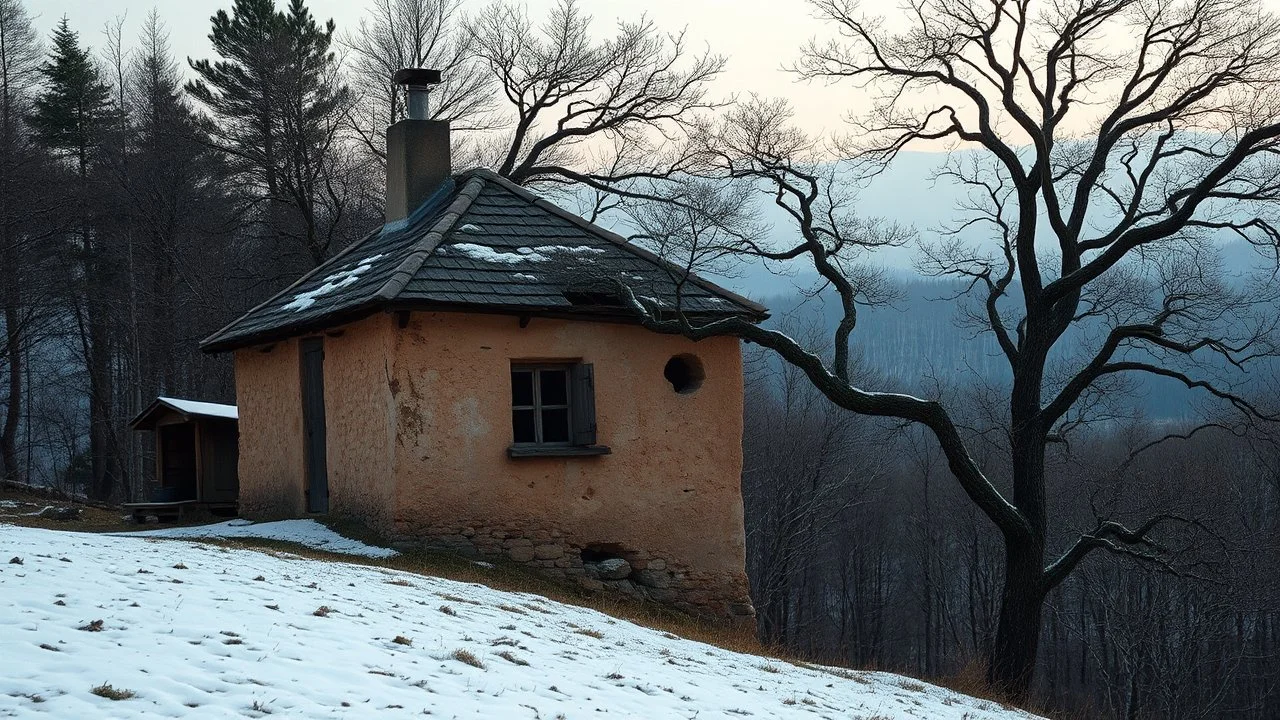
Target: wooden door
x=313 y=427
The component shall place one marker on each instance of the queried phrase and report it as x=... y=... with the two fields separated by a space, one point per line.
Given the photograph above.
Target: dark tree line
x=862 y=550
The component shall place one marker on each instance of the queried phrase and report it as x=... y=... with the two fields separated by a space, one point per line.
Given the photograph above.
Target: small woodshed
x=197 y=454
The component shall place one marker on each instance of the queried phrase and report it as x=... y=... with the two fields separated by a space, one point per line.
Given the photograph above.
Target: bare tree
x=397 y=34
x=19 y=60
x=597 y=114
x=1177 y=141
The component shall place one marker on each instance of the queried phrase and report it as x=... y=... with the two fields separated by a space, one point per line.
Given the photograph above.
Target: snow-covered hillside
x=195 y=630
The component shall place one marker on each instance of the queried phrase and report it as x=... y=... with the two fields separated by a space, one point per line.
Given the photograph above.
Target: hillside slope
x=197 y=630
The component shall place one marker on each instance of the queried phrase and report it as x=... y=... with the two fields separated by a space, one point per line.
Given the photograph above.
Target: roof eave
x=579 y=313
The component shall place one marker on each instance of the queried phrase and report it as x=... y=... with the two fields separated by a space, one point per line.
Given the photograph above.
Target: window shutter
x=583 y=411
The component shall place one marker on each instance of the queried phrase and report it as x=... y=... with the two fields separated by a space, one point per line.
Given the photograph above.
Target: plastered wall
x=668 y=494
x=419 y=422
x=268 y=398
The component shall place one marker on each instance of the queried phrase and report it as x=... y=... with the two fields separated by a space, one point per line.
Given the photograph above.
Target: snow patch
x=484 y=253
x=308 y=533
x=336 y=281
x=541 y=253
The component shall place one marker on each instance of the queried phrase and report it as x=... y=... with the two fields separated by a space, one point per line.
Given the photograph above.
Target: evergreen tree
x=71 y=114
x=275 y=102
x=75 y=102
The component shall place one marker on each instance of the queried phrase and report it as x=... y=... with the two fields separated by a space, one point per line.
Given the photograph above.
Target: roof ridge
x=614 y=238
x=409 y=267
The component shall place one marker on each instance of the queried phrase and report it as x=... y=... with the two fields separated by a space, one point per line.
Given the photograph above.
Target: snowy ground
x=196 y=630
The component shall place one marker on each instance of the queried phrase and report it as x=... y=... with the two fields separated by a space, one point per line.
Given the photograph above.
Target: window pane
x=521 y=387
x=555 y=425
x=522 y=424
x=555 y=387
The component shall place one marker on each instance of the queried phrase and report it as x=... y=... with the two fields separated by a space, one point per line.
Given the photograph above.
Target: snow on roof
x=206 y=409
x=228 y=629
x=337 y=280
x=541 y=253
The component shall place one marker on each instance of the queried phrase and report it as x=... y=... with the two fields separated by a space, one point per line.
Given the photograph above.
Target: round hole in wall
x=685 y=373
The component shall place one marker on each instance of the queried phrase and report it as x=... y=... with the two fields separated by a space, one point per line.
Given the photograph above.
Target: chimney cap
x=416 y=77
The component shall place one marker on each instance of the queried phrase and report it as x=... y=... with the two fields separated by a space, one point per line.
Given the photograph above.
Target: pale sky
x=758 y=36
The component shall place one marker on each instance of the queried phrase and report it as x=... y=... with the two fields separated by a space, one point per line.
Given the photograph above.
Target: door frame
x=315 y=442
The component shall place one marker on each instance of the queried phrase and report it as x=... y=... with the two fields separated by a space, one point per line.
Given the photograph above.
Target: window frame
x=536 y=369
x=579 y=407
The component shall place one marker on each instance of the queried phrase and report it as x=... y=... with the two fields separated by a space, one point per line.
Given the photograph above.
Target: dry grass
x=467 y=657
x=511 y=658
x=93 y=518
x=590 y=633
x=912 y=685
x=107 y=691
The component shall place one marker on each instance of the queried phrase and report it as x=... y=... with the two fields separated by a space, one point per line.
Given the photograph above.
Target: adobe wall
x=269 y=402
x=668 y=499
x=358 y=418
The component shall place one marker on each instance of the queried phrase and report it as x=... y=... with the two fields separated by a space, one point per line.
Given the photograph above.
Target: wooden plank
x=313 y=424
x=199 y=451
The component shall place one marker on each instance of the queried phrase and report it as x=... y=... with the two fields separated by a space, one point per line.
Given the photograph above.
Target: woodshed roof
x=480 y=243
x=188 y=409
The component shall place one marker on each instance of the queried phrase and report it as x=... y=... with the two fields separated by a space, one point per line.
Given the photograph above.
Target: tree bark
x=1013 y=656
x=13 y=410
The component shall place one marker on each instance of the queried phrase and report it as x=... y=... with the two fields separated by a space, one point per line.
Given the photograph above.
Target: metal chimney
x=418 y=158
x=417 y=83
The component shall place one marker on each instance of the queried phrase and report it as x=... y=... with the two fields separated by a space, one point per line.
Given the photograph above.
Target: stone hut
x=467 y=377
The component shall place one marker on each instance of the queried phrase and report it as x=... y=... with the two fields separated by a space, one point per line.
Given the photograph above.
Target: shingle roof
x=480 y=243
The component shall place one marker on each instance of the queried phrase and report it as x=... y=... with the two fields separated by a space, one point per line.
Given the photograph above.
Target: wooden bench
x=164 y=511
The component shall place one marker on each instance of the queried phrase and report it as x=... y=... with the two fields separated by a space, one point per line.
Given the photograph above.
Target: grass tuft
x=912 y=685
x=511 y=658
x=111 y=693
x=467 y=657
x=590 y=633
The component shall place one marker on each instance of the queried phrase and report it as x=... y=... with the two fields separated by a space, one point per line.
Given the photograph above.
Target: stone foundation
x=603 y=567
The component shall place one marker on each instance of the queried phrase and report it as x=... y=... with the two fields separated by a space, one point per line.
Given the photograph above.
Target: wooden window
x=553 y=410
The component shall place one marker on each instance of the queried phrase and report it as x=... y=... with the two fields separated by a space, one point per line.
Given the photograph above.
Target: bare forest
x=1029 y=523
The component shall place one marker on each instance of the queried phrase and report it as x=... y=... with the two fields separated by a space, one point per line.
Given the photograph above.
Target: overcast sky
x=759 y=36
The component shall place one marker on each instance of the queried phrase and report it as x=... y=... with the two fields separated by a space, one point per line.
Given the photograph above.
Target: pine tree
x=275 y=103
x=71 y=114
x=75 y=103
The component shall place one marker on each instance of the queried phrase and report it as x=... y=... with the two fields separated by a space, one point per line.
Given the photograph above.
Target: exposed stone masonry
x=603 y=567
